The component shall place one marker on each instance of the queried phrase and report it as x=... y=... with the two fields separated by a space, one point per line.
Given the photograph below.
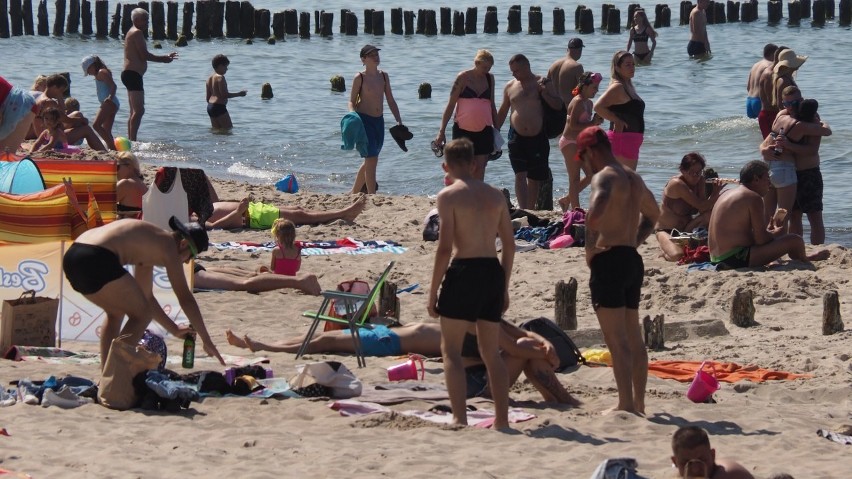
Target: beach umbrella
x=20 y=177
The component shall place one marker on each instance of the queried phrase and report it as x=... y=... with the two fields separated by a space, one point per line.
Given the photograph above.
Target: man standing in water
x=369 y=90
x=565 y=72
x=699 y=44
x=136 y=58
x=753 y=103
x=622 y=213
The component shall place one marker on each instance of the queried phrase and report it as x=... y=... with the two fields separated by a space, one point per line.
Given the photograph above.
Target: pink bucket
x=704 y=385
x=407 y=370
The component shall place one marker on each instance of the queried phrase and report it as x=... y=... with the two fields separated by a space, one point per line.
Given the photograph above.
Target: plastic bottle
x=189 y=350
x=778 y=148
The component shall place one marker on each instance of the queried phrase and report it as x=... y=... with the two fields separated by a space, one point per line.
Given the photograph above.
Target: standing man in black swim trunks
x=94 y=265
x=699 y=43
x=622 y=213
x=474 y=287
x=136 y=58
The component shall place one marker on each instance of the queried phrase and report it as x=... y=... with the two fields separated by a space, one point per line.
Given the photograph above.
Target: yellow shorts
x=261 y=216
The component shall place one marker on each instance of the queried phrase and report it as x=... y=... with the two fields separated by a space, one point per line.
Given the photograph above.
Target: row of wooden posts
x=741 y=314
x=233 y=19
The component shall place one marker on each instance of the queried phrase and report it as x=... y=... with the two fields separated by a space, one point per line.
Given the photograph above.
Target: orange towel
x=684 y=371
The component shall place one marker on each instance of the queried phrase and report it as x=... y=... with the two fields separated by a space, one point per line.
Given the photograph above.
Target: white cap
x=87 y=62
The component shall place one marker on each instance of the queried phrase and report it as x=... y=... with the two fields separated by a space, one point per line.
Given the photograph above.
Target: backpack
x=335 y=310
x=569 y=354
x=575 y=225
x=554 y=120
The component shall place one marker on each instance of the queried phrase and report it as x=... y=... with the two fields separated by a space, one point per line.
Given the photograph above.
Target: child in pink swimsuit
x=580 y=116
x=287 y=256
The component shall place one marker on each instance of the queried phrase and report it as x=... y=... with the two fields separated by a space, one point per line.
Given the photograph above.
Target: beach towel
x=319 y=248
x=835 y=436
x=395 y=393
x=684 y=371
x=481 y=418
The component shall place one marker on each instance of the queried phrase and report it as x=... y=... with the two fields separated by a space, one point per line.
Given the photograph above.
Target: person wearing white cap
x=106 y=88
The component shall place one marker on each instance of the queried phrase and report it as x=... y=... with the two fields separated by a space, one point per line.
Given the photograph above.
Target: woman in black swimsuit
x=472 y=98
x=640 y=33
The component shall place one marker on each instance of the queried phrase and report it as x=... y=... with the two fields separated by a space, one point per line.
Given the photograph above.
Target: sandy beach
x=768 y=427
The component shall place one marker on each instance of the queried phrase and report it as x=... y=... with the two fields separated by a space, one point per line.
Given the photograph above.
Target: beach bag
x=569 y=354
x=28 y=321
x=338 y=310
x=575 y=225
x=124 y=361
x=431 y=226
x=554 y=119
x=325 y=379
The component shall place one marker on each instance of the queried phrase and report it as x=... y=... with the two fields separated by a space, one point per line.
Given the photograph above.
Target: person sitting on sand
x=53 y=137
x=685 y=204
x=694 y=458
x=256 y=215
x=239 y=279
x=523 y=351
x=739 y=236
x=130 y=187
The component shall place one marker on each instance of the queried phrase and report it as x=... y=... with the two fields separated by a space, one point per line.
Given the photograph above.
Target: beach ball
x=122 y=143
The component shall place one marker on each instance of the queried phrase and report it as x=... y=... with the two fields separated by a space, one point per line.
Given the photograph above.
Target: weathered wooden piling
x=278 y=25
x=458 y=23
x=396 y=21
x=217 y=17
x=742 y=308
x=805 y=8
x=304 y=25
x=4 y=20
x=654 y=330
x=605 y=15
x=327 y=27
x=58 y=23
x=470 y=20
x=829 y=9
x=613 y=23
x=545 y=195
x=818 y=18
x=43 y=29
x=28 y=17
x=774 y=11
x=558 y=21
x=188 y=13
x=715 y=13
x=424 y=91
x=114 y=27
x=408 y=20
x=445 y=20
x=514 y=19
x=291 y=22
x=587 y=21
x=431 y=23
x=577 y=12
x=16 y=15
x=662 y=16
x=631 y=9
x=126 y=20
x=535 y=21
x=202 y=20
x=845 y=13
x=491 y=21
x=794 y=13
x=368 y=21
x=338 y=83
x=72 y=24
x=748 y=13
x=831 y=320
x=266 y=89
x=172 y=20
x=565 y=306
x=733 y=11
x=158 y=20
x=263 y=22
x=343 y=12
x=351 y=23
x=685 y=9
x=246 y=20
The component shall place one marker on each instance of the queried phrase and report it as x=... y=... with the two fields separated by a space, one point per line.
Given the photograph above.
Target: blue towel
x=353 y=134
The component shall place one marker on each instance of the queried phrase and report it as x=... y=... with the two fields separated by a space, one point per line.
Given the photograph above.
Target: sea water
x=691 y=105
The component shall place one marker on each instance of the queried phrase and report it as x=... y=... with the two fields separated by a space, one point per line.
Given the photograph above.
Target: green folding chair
x=357 y=308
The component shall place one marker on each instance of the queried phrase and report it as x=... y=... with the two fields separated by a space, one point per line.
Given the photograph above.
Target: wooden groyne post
x=587 y=21
x=613 y=22
x=558 y=21
x=490 y=20
x=831 y=321
x=565 y=305
x=742 y=308
x=514 y=19
x=535 y=21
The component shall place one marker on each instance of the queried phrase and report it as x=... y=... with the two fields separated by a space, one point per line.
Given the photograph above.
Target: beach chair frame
x=357 y=307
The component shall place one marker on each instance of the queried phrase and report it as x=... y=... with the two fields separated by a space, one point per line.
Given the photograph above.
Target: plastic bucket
x=407 y=370
x=703 y=385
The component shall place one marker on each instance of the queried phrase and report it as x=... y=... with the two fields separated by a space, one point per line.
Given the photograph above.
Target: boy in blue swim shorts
x=474 y=287
x=370 y=88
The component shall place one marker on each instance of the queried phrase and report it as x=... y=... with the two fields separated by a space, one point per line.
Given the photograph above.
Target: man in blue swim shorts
x=738 y=235
x=623 y=212
x=753 y=103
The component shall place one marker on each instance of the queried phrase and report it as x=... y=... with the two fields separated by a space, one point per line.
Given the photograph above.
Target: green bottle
x=189 y=350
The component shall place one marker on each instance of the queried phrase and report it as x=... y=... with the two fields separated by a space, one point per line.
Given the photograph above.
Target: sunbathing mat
x=481 y=418
x=684 y=371
x=320 y=248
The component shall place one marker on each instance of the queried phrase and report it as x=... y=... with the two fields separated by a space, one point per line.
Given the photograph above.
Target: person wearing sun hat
x=622 y=214
x=782 y=75
x=94 y=266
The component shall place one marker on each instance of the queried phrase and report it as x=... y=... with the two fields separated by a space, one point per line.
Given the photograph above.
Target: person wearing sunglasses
x=94 y=266
x=694 y=458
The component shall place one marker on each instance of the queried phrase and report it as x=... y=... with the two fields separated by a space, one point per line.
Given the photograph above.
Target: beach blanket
x=63 y=356
x=481 y=418
x=395 y=393
x=320 y=248
x=684 y=371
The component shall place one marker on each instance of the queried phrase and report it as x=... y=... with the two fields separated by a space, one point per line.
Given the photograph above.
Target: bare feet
x=564 y=203
x=253 y=346
x=820 y=255
x=607 y=412
x=310 y=285
x=355 y=209
x=235 y=340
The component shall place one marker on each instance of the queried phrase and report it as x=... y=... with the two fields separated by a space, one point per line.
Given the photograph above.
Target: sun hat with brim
x=789 y=59
x=87 y=62
x=193 y=233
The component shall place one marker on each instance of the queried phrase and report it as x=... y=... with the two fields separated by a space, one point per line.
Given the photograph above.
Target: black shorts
x=530 y=154
x=483 y=141
x=132 y=80
x=808 y=191
x=695 y=49
x=616 y=279
x=216 y=109
x=473 y=289
x=89 y=267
